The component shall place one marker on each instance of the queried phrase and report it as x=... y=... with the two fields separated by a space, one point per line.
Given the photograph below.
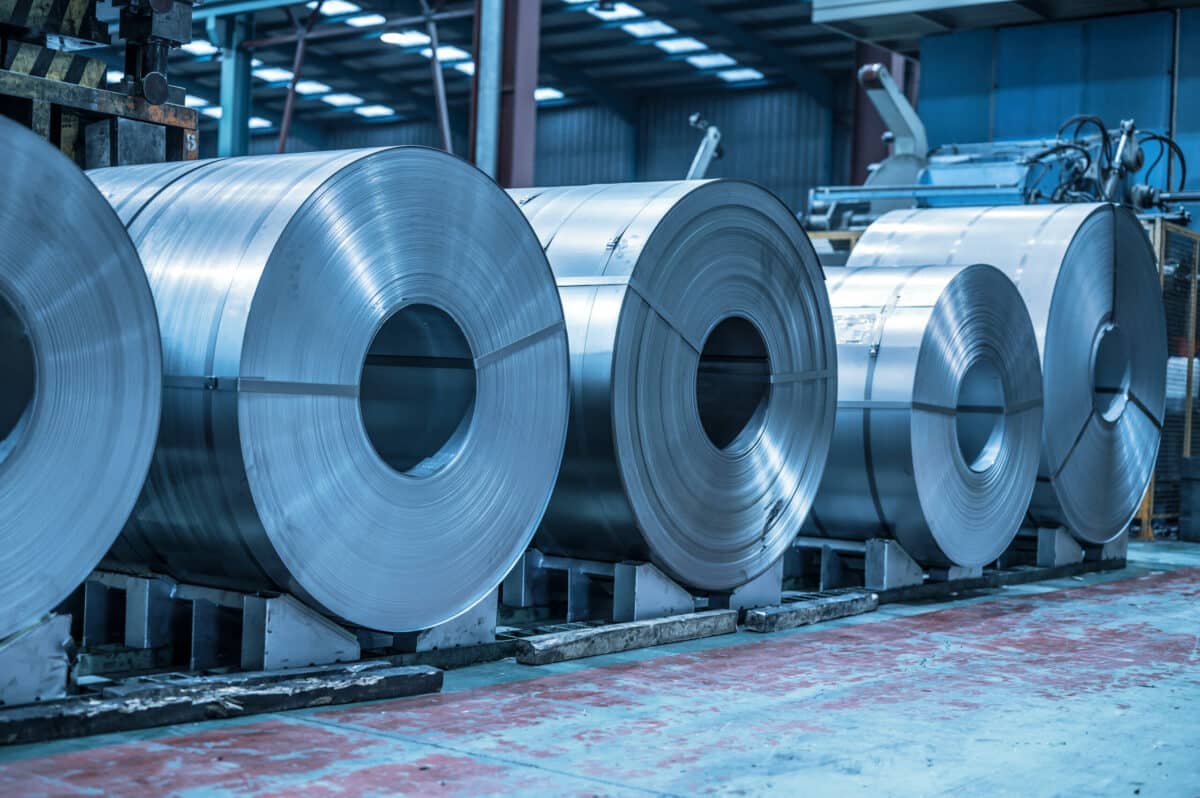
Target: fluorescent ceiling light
x=618 y=11
x=685 y=44
x=342 y=100
x=255 y=63
x=366 y=20
x=273 y=74
x=335 y=8
x=542 y=93
x=739 y=75
x=447 y=53
x=651 y=27
x=372 y=111
x=258 y=123
x=115 y=76
x=214 y=111
x=710 y=60
x=192 y=101
x=311 y=87
x=200 y=47
x=466 y=67
x=405 y=38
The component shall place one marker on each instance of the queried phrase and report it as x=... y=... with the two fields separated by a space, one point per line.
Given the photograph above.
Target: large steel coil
x=1088 y=277
x=939 y=412
x=366 y=373
x=80 y=378
x=703 y=373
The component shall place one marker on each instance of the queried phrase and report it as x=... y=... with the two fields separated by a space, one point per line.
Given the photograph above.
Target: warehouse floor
x=1083 y=686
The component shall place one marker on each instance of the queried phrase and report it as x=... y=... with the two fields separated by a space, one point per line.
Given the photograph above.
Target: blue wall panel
x=956 y=86
x=582 y=144
x=1187 y=113
x=1114 y=67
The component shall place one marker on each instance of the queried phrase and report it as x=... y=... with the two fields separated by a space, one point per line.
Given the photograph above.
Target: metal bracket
x=1115 y=549
x=1056 y=546
x=765 y=590
x=34 y=662
x=474 y=627
x=537 y=578
x=642 y=592
x=889 y=566
x=280 y=632
x=883 y=563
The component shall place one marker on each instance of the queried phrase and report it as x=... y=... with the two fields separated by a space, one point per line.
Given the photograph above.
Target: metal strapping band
x=1074 y=446
x=802 y=376
x=868 y=386
x=1133 y=397
x=601 y=279
x=260 y=385
x=499 y=354
x=662 y=314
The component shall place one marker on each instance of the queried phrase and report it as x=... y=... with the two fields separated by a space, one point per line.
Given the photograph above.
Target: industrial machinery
x=1085 y=161
x=98 y=117
x=709 y=149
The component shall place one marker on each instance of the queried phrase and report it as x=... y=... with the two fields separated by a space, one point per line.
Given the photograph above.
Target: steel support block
x=1056 y=546
x=149 y=604
x=280 y=632
x=888 y=566
x=34 y=662
x=1116 y=549
x=765 y=590
x=642 y=592
x=475 y=626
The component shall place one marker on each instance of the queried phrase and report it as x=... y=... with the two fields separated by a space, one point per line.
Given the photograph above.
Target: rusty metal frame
x=56 y=108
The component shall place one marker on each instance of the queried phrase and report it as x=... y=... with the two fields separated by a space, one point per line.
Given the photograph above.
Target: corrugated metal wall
x=577 y=145
x=780 y=138
x=1024 y=81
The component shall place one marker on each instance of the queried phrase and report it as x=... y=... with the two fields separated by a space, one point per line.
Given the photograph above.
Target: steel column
x=489 y=50
x=233 y=133
x=518 y=108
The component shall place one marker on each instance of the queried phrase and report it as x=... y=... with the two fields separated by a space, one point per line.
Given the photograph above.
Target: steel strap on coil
x=939 y=412
x=1088 y=277
x=366 y=371
x=80 y=378
x=703 y=375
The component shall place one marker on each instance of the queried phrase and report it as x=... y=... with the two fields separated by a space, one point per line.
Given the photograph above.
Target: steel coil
x=1088 y=277
x=939 y=412
x=366 y=373
x=80 y=378
x=702 y=381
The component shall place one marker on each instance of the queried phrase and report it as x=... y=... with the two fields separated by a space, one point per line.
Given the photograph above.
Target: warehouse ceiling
x=367 y=61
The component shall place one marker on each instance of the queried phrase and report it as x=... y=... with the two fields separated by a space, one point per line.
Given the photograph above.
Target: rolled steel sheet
x=366 y=373
x=80 y=378
x=1088 y=277
x=702 y=381
x=939 y=412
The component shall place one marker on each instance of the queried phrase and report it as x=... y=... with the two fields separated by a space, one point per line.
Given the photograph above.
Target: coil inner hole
x=18 y=377
x=1111 y=373
x=733 y=382
x=417 y=392
x=979 y=415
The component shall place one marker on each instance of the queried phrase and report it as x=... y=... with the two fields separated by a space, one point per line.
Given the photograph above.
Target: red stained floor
x=1088 y=690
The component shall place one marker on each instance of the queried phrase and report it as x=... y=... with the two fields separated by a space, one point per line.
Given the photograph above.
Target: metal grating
x=1178 y=252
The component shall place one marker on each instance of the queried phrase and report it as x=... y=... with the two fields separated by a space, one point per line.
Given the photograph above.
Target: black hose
x=1079 y=120
x=1175 y=150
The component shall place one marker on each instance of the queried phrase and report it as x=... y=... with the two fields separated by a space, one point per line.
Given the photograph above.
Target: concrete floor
x=1085 y=686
